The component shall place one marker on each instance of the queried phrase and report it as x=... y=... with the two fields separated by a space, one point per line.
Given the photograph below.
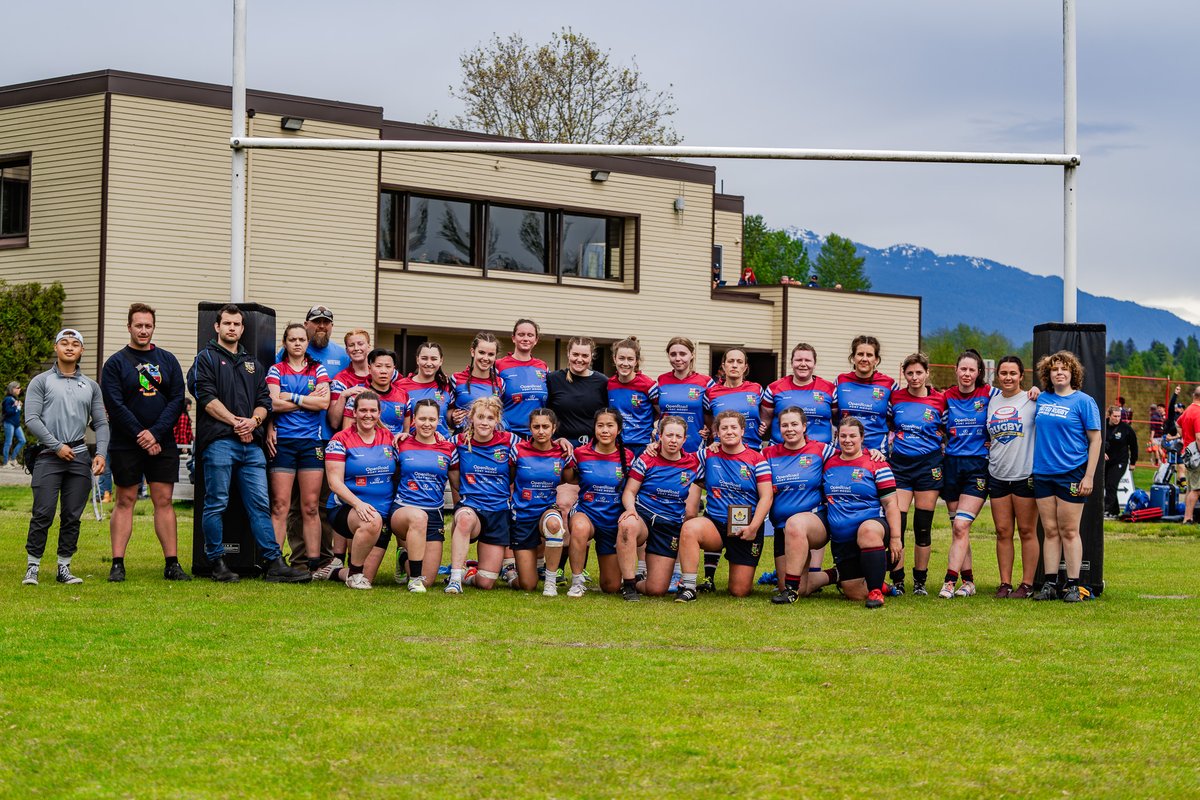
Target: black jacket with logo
x=237 y=380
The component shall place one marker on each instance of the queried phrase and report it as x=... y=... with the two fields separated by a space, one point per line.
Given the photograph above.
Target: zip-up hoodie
x=237 y=380
x=59 y=408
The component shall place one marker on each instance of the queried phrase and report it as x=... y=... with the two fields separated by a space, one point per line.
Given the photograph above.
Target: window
x=591 y=246
x=439 y=231
x=14 y=201
x=516 y=240
x=497 y=237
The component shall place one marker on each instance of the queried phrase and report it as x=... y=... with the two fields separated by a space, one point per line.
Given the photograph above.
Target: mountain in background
x=996 y=297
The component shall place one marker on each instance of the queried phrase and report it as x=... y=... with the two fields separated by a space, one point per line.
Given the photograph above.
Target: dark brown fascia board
x=648 y=167
x=729 y=202
x=134 y=84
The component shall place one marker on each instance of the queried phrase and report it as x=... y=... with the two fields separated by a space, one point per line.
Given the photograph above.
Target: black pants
x=58 y=483
x=1113 y=472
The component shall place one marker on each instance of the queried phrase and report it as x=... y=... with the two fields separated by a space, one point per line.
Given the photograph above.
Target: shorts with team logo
x=921 y=473
x=298 y=455
x=964 y=475
x=1064 y=486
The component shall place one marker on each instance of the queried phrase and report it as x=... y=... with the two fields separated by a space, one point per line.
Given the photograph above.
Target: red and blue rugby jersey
x=966 y=420
x=636 y=401
x=467 y=389
x=424 y=468
x=369 y=468
x=393 y=405
x=524 y=390
x=297 y=424
x=732 y=480
x=853 y=490
x=818 y=399
x=918 y=422
x=536 y=478
x=484 y=470
x=428 y=391
x=346 y=379
x=601 y=482
x=797 y=476
x=665 y=484
x=685 y=398
x=867 y=401
x=745 y=399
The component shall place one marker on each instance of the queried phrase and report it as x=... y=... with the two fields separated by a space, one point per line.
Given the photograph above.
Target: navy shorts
x=526 y=534
x=297 y=455
x=435 y=528
x=493 y=525
x=780 y=543
x=922 y=473
x=740 y=551
x=663 y=538
x=338 y=518
x=964 y=475
x=605 y=538
x=848 y=559
x=1064 y=486
x=1019 y=488
x=130 y=466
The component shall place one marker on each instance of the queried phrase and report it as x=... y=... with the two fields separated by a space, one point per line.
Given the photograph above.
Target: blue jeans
x=223 y=460
x=14 y=440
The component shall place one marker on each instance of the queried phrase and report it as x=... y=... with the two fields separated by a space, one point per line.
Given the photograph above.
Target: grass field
x=150 y=689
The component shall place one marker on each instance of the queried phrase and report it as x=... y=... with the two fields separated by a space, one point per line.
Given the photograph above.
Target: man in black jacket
x=143 y=394
x=232 y=403
x=1120 y=453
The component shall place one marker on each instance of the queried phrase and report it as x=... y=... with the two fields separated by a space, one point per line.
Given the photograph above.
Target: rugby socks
x=641 y=568
x=792 y=582
x=951 y=576
x=314 y=564
x=576 y=578
x=551 y=580
x=170 y=560
x=832 y=573
x=920 y=575
x=689 y=580
x=711 y=562
x=414 y=568
x=456 y=575
x=874 y=564
x=119 y=561
x=898 y=577
x=968 y=576
x=355 y=569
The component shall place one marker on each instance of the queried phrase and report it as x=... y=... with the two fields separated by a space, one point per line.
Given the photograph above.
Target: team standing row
x=539 y=461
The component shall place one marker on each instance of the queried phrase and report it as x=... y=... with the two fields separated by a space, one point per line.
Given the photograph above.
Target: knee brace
x=903 y=524
x=385 y=538
x=923 y=527
x=553 y=538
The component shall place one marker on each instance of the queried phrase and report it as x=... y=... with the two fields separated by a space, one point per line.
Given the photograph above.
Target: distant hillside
x=996 y=297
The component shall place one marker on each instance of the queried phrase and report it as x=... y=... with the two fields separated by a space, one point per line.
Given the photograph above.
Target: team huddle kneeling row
x=539 y=461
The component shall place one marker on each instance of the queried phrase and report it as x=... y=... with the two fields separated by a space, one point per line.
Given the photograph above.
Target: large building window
x=419 y=229
x=516 y=239
x=14 y=201
x=439 y=231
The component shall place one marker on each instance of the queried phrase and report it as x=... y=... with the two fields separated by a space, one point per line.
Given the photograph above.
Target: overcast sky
x=919 y=74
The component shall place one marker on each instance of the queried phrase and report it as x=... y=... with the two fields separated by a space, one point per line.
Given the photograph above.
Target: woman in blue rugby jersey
x=602 y=465
x=538 y=466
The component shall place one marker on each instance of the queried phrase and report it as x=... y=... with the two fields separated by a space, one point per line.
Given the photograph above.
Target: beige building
x=117 y=185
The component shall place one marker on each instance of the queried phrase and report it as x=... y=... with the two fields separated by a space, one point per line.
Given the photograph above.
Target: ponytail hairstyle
x=971 y=352
x=368 y=394
x=536 y=330
x=620 y=443
x=865 y=339
x=798 y=411
x=671 y=419
x=579 y=341
x=853 y=422
x=630 y=343
x=491 y=403
x=1012 y=359
x=691 y=347
x=291 y=326
x=545 y=412
x=439 y=379
x=493 y=375
x=425 y=402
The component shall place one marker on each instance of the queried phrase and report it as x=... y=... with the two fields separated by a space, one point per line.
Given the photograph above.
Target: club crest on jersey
x=693 y=392
x=439 y=396
x=751 y=399
x=743 y=471
x=684 y=478
x=249 y=366
x=635 y=401
x=805 y=461
x=936 y=472
x=857 y=474
x=499 y=454
x=442 y=461
x=877 y=393
x=818 y=397
x=978 y=404
x=927 y=415
x=558 y=466
x=540 y=373
x=312 y=384
x=674 y=546
x=980 y=484
x=387 y=452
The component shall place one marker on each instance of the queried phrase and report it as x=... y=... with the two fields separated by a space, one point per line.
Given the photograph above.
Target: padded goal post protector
x=241 y=551
x=1088 y=341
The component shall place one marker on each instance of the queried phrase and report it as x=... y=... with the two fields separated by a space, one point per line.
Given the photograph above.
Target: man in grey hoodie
x=60 y=404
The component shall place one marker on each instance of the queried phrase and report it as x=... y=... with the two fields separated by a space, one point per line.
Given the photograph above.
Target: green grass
x=152 y=689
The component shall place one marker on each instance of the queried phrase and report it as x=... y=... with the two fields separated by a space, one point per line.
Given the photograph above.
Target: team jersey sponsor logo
x=715 y=492
x=516 y=398
x=414 y=486
x=526 y=494
x=588 y=497
x=360 y=481
x=248 y=365
x=470 y=478
x=857 y=474
x=877 y=393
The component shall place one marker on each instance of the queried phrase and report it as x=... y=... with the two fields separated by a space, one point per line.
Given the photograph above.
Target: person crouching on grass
x=60 y=404
x=538 y=466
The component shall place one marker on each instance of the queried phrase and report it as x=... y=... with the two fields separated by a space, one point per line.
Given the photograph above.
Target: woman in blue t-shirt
x=1066 y=452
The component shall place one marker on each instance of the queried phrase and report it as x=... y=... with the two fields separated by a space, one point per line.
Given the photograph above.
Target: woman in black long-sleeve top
x=1120 y=453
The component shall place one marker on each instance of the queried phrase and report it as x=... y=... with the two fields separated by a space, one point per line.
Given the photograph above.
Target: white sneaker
x=31 y=576
x=966 y=590
x=550 y=590
x=947 y=591
x=65 y=576
x=577 y=590
x=358 y=581
x=417 y=585
x=326 y=572
x=509 y=575
x=453 y=587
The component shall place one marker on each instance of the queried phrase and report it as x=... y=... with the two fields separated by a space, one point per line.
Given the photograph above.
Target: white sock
x=64 y=562
x=541 y=563
x=641 y=570
x=456 y=574
x=508 y=562
x=34 y=562
x=576 y=578
x=551 y=579
x=689 y=580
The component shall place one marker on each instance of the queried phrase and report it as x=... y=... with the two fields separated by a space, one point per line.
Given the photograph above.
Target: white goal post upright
x=1068 y=159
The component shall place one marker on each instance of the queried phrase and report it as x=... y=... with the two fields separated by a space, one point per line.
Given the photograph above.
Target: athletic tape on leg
x=553 y=538
x=968 y=516
x=483 y=573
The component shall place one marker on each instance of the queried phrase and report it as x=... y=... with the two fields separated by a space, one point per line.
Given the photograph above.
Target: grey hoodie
x=58 y=409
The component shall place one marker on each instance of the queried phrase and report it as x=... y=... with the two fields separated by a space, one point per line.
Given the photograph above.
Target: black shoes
x=221 y=573
x=630 y=594
x=785 y=596
x=117 y=574
x=707 y=586
x=172 y=572
x=278 y=571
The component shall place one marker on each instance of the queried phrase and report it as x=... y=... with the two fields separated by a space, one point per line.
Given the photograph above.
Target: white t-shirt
x=1010 y=430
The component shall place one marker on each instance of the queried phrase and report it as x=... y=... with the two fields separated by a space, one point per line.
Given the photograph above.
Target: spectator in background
x=1156 y=432
x=1189 y=427
x=813 y=283
x=748 y=278
x=14 y=434
x=60 y=405
x=1126 y=411
x=1120 y=454
x=183 y=426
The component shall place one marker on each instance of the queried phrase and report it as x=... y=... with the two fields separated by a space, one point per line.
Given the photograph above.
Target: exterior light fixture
x=679 y=205
x=600 y=175
x=291 y=123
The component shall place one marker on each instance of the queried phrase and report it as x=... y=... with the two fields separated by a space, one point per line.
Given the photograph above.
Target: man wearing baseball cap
x=331 y=355
x=60 y=404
